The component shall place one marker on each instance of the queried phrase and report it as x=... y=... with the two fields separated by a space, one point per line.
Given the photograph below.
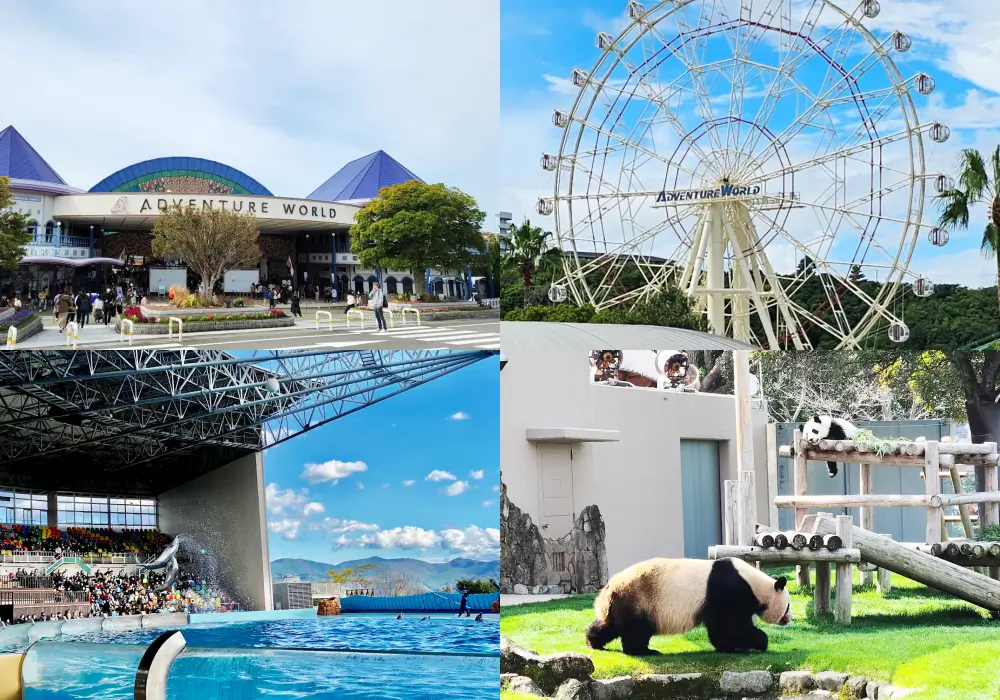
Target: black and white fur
x=828 y=428
x=673 y=596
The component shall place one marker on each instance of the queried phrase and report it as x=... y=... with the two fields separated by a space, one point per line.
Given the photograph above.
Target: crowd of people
x=79 y=540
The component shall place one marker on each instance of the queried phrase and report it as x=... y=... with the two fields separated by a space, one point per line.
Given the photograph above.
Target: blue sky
x=543 y=40
x=416 y=476
x=287 y=94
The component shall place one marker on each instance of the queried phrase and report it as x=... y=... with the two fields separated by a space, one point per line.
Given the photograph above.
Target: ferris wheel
x=764 y=155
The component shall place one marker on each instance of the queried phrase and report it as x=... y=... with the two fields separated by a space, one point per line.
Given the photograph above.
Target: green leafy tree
x=14 y=233
x=478 y=586
x=360 y=575
x=210 y=241
x=416 y=226
x=978 y=183
x=530 y=250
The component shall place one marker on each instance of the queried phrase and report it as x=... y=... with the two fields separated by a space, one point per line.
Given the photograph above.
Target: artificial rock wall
x=532 y=564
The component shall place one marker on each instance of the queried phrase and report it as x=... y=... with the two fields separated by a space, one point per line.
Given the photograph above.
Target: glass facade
x=105 y=511
x=24 y=508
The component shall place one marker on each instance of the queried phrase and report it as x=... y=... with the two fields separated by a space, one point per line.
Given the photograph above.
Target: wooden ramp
x=915 y=565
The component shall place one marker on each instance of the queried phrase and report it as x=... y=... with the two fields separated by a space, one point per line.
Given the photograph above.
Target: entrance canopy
x=143 y=421
x=138 y=212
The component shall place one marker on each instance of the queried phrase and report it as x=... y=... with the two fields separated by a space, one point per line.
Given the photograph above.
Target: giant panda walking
x=673 y=596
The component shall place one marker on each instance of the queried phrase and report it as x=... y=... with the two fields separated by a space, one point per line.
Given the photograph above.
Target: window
x=24 y=508
x=407 y=285
x=390 y=285
x=104 y=511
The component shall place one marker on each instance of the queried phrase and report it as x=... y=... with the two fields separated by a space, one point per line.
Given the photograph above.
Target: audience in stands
x=78 y=540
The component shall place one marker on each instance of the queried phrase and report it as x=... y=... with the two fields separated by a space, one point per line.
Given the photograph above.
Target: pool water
x=321 y=658
x=341 y=632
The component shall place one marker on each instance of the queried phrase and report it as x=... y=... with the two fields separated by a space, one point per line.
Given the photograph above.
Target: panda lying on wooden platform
x=828 y=428
x=673 y=596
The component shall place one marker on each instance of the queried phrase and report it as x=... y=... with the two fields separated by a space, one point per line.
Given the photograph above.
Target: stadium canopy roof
x=139 y=422
x=526 y=336
x=129 y=179
x=21 y=162
x=361 y=179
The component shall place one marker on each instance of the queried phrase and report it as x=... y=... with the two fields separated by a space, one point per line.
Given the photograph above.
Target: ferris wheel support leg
x=699 y=260
x=716 y=271
x=744 y=270
x=694 y=259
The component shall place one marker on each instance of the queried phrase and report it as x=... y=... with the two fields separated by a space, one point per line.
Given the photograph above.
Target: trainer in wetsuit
x=465 y=602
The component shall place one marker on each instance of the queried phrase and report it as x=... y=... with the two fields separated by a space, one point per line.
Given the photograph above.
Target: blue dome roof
x=19 y=161
x=128 y=179
x=363 y=178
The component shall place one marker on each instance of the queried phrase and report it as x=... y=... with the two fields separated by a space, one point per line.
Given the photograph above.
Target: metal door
x=701 y=496
x=555 y=465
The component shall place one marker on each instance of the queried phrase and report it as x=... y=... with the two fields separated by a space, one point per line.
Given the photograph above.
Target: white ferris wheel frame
x=722 y=225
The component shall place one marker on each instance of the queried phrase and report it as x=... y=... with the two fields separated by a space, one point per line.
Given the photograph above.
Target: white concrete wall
x=636 y=482
x=225 y=509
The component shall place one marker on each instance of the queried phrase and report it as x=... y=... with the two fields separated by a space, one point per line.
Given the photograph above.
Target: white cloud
x=360 y=485
x=473 y=541
x=332 y=471
x=286 y=527
x=459 y=415
x=409 y=482
x=459 y=487
x=303 y=87
x=477 y=473
x=286 y=501
x=489 y=504
x=440 y=475
x=336 y=525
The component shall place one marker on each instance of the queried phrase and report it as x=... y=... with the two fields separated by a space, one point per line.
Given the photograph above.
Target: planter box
x=205 y=326
x=28 y=331
x=166 y=313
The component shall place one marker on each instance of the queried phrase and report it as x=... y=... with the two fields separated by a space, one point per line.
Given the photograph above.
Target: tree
x=360 y=575
x=14 y=233
x=394 y=581
x=477 y=586
x=210 y=241
x=416 y=226
x=530 y=251
x=978 y=183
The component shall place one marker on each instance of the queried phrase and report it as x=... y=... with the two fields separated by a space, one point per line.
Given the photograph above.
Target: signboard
x=724 y=192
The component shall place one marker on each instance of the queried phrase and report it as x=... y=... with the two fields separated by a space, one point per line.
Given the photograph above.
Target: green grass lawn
x=913 y=637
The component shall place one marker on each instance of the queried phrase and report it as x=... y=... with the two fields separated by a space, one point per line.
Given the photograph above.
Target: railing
x=412 y=311
x=360 y=315
x=27 y=596
x=492 y=303
x=64 y=241
x=48 y=557
x=26 y=582
x=329 y=318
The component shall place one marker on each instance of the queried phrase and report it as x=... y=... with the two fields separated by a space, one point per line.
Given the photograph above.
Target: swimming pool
x=444 y=658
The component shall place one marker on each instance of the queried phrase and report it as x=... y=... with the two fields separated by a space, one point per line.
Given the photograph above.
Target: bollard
x=131 y=331
x=329 y=318
x=72 y=333
x=412 y=311
x=11 y=338
x=361 y=317
x=180 y=328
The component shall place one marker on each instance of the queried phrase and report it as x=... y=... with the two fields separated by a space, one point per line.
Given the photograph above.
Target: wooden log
x=875 y=500
x=729 y=490
x=800 y=486
x=992 y=514
x=867 y=515
x=815 y=542
x=956 y=499
x=785 y=556
x=764 y=539
x=891 y=459
x=746 y=512
x=821 y=593
x=952 y=550
x=932 y=487
x=771 y=444
x=966 y=549
x=832 y=542
x=936 y=573
x=993 y=549
x=883 y=579
x=842 y=605
x=956 y=484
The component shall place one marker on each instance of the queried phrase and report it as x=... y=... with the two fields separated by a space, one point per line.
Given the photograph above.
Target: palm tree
x=530 y=251
x=978 y=183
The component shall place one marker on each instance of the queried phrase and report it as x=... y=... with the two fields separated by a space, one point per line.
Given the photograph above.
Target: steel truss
x=130 y=407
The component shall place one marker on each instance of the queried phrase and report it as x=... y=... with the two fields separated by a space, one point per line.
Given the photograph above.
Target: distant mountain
x=427 y=575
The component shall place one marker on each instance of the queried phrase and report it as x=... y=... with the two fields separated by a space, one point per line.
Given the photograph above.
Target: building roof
x=130 y=178
x=361 y=179
x=532 y=337
x=20 y=161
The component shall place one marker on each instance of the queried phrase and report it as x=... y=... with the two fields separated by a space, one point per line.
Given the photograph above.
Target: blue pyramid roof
x=19 y=161
x=363 y=178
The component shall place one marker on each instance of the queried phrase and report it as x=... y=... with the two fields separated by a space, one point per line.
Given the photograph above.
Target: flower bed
x=28 y=323
x=220 y=321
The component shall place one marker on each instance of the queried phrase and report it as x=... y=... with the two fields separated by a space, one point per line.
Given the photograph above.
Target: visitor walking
x=351 y=302
x=64 y=307
x=377 y=301
x=99 y=309
x=296 y=308
x=83 y=309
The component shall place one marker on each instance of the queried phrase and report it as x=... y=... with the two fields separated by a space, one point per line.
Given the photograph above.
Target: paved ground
x=468 y=334
x=507 y=599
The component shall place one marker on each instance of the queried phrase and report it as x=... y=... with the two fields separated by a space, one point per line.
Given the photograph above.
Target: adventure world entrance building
x=79 y=234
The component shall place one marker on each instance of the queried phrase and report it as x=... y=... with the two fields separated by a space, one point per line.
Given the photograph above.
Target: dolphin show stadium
x=83 y=238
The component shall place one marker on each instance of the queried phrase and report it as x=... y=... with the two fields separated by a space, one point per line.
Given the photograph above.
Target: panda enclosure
x=936 y=563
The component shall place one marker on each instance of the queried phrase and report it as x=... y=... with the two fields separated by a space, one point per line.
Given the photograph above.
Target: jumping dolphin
x=165 y=556
x=172 y=570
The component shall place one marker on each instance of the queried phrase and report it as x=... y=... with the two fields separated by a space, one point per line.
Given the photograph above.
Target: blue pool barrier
x=251 y=616
x=423 y=603
x=74 y=671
